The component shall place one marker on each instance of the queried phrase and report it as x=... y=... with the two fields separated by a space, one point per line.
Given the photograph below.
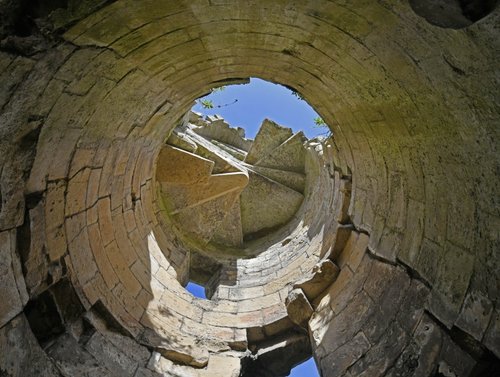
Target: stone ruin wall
x=402 y=209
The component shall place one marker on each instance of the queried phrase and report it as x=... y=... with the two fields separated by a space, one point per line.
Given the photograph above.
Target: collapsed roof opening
x=247 y=105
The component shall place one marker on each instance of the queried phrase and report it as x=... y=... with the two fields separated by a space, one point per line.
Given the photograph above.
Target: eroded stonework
x=389 y=267
x=217 y=192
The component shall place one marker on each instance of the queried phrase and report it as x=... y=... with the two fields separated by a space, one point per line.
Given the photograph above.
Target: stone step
x=233 y=151
x=181 y=141
x=289 y=156
x=181 y=167
x=266 y=204
x=293 y=180
x=230 y=232
x=180 y=197
x=221 y=131
x=224 y=161
x=270 y=136
x=203 y=220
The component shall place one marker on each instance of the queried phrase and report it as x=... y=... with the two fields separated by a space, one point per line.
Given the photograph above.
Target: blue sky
x=259 y=100
x=256 y=101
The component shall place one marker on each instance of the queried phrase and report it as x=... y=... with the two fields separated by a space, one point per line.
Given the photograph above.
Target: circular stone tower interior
x=374 y=250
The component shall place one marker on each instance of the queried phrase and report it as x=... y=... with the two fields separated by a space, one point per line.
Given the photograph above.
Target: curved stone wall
x=403 y=200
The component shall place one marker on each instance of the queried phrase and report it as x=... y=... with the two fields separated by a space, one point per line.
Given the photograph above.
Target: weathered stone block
x=12 y=301
x=324 y=274
x=298 y=307
x=21 y=354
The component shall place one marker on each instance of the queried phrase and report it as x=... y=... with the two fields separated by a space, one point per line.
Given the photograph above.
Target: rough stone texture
x=298 y=307
x=324 y=274
x=21 y=354
x=403 y=198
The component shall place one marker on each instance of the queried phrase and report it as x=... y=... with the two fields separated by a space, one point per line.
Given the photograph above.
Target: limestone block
x=344 y=326
x=341 y=237
x=337 y=362
x=76 y=192
x=223 y=132
x=181 y=141
x=233 y=151
x=101 y=258
x=229 y=231
x=82 y=258
x=54 y=220
x=266 y=204
x=475 y=314
x=354 y=250
x=270 y=136
x=187 y=196
x=13 y=294
x=178 y=166
x=166 y=367
x=180 y=350
x=382 y=354
x=35 y=258
x=290 y=155
x=202 y=220
x=21 y=354
x=323 y=275
x=412 y=306
x=298 y=307
x=454 y=361
x=107 y=354
x=73 y=360
x=453 y=277
x=240 y=320
x=222 y=366
x=342 y=208
x=287 y=178
x=421 y=354
x=492 y=336
x=388 y=297
x=409 y=249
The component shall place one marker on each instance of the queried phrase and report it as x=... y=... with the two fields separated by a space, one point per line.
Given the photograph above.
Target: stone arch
x=404 y=207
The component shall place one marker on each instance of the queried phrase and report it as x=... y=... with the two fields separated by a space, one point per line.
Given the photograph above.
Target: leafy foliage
x=219 y=89
x=295 y=94
x=207 y=104
x=319 y=122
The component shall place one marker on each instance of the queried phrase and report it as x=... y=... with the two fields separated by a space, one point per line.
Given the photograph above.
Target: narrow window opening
x=196 y=290
x=306 y=369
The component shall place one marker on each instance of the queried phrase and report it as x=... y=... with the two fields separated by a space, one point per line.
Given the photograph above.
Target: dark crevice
x=486 y=361
x=474 y=10
x=32 y=199
x=261 y=233
x=88 y=330
x=290 y=52
x=453 y=14
x=67 y=300
x=23 y=240
x=112 y=323
x=50 y=311
x=455 y=69
x=44 y=318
